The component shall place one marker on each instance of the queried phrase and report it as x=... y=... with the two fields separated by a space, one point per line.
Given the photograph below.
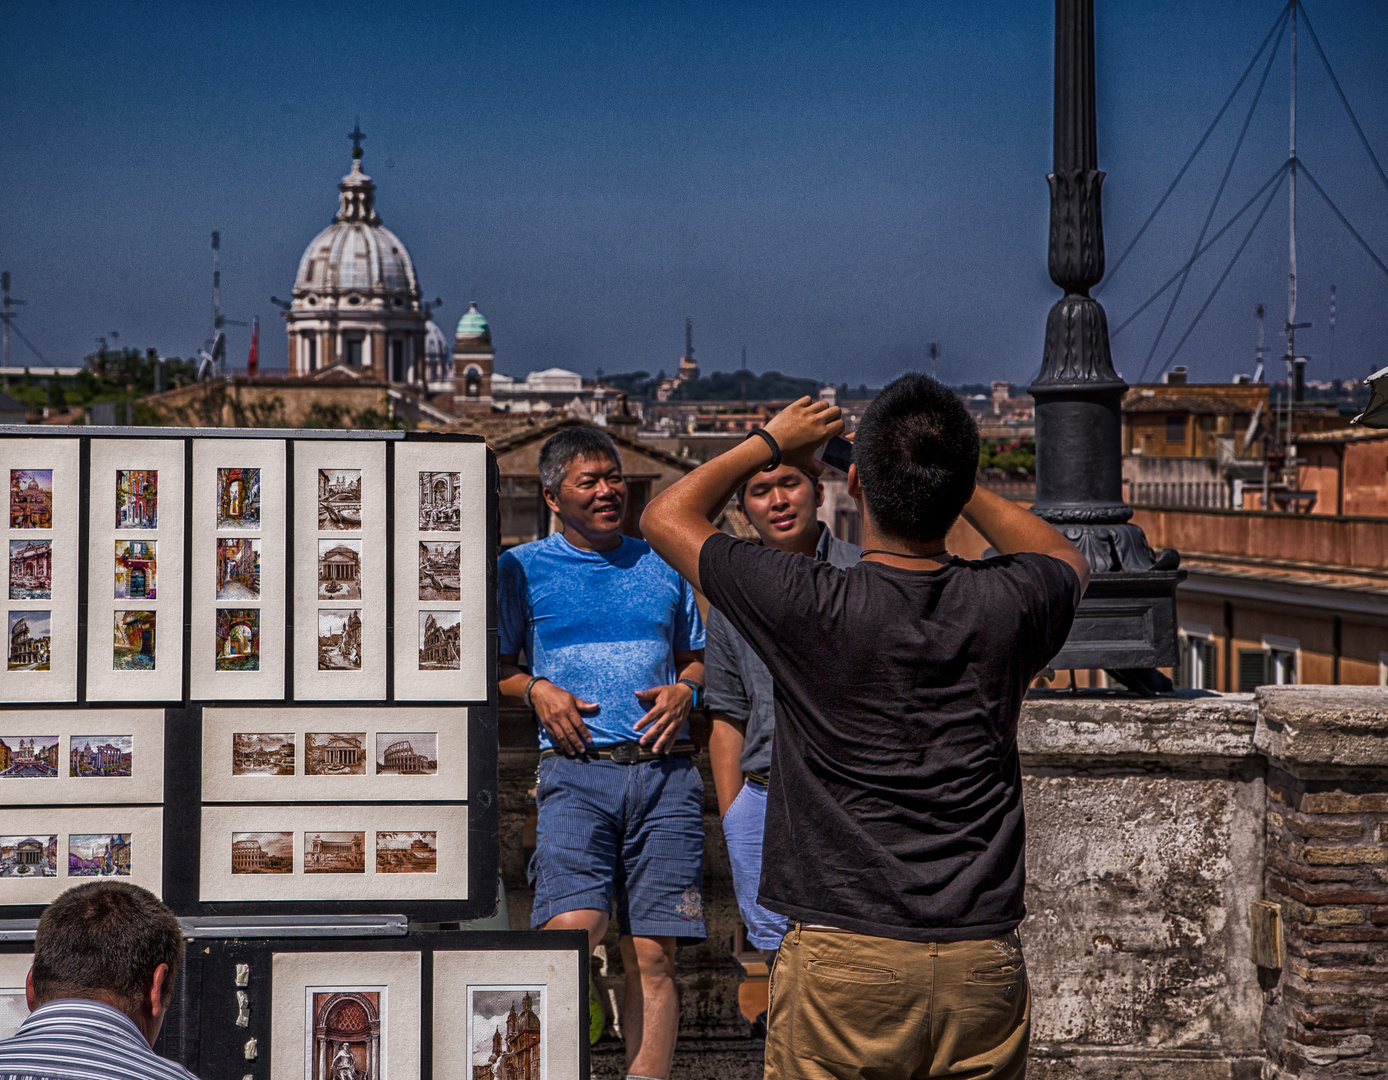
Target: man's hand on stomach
x=562 y=715
x=667 y=710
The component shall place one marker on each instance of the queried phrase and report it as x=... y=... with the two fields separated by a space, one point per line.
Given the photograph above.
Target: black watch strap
x=775 y=447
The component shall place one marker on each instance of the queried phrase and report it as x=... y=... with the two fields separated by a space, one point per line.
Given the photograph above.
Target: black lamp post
x=1127 y=620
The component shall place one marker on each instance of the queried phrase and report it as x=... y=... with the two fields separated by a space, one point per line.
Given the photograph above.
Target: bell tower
x=472 y=364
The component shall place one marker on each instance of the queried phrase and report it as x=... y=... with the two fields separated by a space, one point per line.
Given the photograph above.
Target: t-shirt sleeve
x=755 y=587
x=689 y=627
x=726 y=692
x=512 y=616
x=1050 y=586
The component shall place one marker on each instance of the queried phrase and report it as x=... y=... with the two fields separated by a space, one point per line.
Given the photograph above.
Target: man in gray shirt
x=781 y=506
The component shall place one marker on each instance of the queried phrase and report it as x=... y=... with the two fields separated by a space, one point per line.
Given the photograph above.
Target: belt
x=756 y=778
x=630 y=753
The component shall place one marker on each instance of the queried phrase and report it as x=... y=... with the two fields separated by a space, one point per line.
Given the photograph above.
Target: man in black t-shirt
x=894 y=833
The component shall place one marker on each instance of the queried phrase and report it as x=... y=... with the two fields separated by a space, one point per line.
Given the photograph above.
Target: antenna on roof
x=689 y=337
x=1258 y=312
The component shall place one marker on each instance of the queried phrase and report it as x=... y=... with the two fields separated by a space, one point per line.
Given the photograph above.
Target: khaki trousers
x=850 y=1005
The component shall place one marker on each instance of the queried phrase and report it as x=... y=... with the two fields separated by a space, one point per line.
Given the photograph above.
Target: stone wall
x=1152 y=827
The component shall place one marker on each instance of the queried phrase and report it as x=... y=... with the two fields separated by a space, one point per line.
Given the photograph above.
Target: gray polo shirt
x=736 y=680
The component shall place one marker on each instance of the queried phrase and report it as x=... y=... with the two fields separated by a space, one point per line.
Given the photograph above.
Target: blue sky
x=832 y=186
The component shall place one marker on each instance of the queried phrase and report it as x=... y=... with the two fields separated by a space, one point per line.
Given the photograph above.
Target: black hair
x=562 y=450
x=107 y=936
x=917 y=457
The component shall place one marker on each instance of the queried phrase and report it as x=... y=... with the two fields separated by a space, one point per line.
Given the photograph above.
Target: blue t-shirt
x=599 y=624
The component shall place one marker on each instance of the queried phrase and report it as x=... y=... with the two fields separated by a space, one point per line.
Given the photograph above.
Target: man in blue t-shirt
x=615 y=647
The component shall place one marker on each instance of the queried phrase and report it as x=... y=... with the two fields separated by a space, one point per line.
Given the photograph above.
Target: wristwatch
x=698 y=691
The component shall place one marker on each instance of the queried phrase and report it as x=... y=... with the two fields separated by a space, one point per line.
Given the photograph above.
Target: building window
x=1176 y=429
x=1196 y=661
x=523 y=513
x=847 y=526
x=310 y=352
x=397 y=361
x=1383 y=669
x=1275 y=664
x=638 y=495
x=354 y=352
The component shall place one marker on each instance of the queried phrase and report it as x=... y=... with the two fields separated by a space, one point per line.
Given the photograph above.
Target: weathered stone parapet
x=1153 y=826
x=1327 y=869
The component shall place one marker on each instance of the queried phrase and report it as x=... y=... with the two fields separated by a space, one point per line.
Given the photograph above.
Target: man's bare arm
x=725 y=744
x=678 y=520
x=1011 y=529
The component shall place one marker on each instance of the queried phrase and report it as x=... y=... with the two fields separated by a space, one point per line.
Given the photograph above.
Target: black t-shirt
x=895 y=806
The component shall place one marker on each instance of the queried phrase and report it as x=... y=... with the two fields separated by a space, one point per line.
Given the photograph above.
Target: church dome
x=474 y=325
x=356 y=261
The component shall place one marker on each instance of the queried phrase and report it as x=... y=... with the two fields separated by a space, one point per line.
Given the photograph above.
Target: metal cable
x=1208 y=244
x=1219 y=192
x=1343 y=100
x=1205 y=306
x=1208 y=132
x=1343 y=220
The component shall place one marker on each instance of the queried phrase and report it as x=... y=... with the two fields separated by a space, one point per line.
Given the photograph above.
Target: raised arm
x=678 y=520
x=1010 y=529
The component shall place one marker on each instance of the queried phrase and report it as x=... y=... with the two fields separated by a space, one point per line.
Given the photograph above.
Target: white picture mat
x=469 y=461
x=267 y=455
x=145 y=824
x=145 y=784
x=14 y=1009
x=448 y=882
x=291 y=1025
x=557 y=972
x=220 y=725
x=165 y=682
x=63 y=457
x=369 y=457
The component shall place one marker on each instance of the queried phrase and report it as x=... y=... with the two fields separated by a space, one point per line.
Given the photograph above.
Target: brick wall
x=1327 y=866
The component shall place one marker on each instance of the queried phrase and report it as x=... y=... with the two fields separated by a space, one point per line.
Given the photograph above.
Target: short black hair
x=105 y=936
x=917 y=457
x=562 y=450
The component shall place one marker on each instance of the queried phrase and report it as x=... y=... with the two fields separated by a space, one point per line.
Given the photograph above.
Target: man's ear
x=550 y=500
x=818 y=493
x=30 y=998
x=855 y=485
x=160 y=992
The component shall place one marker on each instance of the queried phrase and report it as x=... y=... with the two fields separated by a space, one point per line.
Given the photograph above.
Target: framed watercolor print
x=237 y=598
x=135 y=579
x=42 y=850
x=340 y=609
x=334 y=755
x=441 y=553
x=81 y=757
x=43 y=478
x=474 y=1005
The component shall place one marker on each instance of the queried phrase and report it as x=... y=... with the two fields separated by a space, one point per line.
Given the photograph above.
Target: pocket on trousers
x=851 y=973
x=997 y=976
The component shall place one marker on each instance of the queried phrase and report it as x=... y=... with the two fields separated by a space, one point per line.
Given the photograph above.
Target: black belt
x=756 y=778
x=630 y=753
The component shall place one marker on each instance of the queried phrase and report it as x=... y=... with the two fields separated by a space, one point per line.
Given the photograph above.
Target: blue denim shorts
x=630 y=832
x=743 y=825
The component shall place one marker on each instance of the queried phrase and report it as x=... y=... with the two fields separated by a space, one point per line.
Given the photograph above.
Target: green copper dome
x=473 y=324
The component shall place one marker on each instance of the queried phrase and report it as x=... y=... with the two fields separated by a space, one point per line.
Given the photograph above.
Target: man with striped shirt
x=105 y=959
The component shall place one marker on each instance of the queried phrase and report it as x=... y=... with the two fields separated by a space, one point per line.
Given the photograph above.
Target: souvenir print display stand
x=253 y=671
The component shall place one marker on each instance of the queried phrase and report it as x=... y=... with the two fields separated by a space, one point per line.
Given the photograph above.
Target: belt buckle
x=625 y=753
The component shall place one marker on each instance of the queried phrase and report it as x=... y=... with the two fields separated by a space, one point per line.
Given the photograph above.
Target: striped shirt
x=79 y=1039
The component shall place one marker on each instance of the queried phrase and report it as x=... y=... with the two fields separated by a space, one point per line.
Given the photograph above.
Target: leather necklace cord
x=903 y=554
